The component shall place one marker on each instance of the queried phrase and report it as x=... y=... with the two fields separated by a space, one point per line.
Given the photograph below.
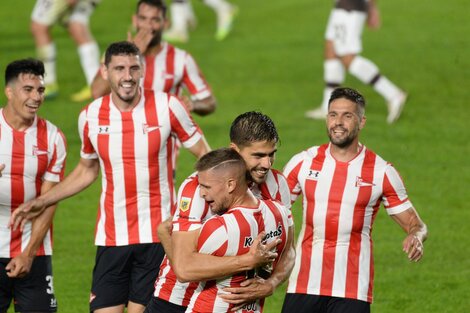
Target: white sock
x=89 y=59
x=386 y=88
x=333 y=75
x=223 y=10
x=179 y=16
x=47 y=54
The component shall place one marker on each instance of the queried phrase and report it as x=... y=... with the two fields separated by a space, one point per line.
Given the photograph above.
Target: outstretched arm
x=81 y=177
x=20 y=265
x=417 y=232
x=257 y=288
x=373 y=15
x=189 y=265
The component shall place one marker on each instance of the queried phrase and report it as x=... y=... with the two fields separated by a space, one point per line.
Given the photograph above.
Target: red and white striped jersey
x=340 y=201
x=135 y=153
x=30 y=157
x=232 y=234
x=192 y=212
x=171 y=70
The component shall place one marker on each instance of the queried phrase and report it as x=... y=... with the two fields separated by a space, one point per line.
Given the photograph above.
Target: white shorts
x=49 y=12
x=345 y=30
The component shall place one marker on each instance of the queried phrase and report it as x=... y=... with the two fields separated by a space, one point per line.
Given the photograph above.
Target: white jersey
x=232 y=234
x=30 y=157
x=193 y=211
x=171 y=70
x=135 y=153
x=340 y=201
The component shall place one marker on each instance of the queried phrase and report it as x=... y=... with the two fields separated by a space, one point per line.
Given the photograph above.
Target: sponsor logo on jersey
x=103 y=129
x=362 y=183
x=37 y=152
x=313 y=175
x=146 y=128
x=185 y=202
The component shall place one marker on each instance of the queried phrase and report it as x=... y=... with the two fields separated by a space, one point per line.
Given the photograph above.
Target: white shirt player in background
x=183 y=18
x=127 y=135
x=167 y=68
x=342 y=185
x=255 y=137
x=32 y=160
x=343 y=46
x=240 y=217
x=75 y=14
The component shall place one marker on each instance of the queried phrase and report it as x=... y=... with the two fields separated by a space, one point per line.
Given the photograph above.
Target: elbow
x=181 y=274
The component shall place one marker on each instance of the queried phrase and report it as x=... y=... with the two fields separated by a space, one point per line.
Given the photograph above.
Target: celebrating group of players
x=225 y=241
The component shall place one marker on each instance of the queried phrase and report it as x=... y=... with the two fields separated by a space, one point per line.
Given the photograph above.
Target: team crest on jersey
x=38 y=152
x=166 y=75
x=313 y=175
x=146 y=128
x=362 y=183
x=184 y=204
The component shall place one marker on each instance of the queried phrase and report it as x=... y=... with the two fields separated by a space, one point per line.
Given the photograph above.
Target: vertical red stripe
x=331 y=227
x=130 y=179
x=149 y=71
x=154 y=143
x=170 y=69
x=42 y=145
x=103 y=150
x=362 y=201
x=17 y=186
x=310 y=188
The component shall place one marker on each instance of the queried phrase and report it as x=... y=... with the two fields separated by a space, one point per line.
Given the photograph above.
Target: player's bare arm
x=417 y=232
x=257 y=288
x=200 y=148
x=82 y=176
x=164 y=234
x=373 y=15
x=204 y=106
x=189 y=265
x=99 y=86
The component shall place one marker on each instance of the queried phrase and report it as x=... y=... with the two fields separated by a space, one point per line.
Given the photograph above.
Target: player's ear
x=234 y=147
x=104 y=71
x=8 y=92
x=231 y=185
x=362 y=123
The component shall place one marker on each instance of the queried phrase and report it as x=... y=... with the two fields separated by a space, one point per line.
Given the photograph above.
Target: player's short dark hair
x=120 y=48
x=23 y=66
x=351 y=95
x=159 y=4
x=252 y=127
x=218 y=158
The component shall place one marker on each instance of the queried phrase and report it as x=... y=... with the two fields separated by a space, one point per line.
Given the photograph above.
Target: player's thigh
x=157 y=305
x=344 y=305
x=344 y=29
x=304 y=303
x=82 y=11
x=6 y=286
x=48 y=12
x=35 y=291
x=146 y=264
x=111 y=277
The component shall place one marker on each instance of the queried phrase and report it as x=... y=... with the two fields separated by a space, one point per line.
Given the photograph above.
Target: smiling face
x=259 y=158
x=344 y=123
x=123 y=74
x=25 y=95
x=150 y=18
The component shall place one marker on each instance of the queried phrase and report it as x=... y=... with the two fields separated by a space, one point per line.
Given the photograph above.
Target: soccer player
x=128 y=135
x=343 y=184
x=255 y=137
x=32 y=160
x=75 y=14
x=167 y=68
x=182 y=18
x=343 y=46
x=224 y=186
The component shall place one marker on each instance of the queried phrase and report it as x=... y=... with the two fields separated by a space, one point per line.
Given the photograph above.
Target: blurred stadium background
x=273 y=62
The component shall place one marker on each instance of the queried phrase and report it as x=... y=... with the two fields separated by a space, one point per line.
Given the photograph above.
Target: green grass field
x=273 y=62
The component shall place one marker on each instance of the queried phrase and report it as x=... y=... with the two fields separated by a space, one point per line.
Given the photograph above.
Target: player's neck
x=245 y=199
x=16 y=121
x=346 y=154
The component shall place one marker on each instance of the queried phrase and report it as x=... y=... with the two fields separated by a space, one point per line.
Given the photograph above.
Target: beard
x=156 y=39
x=345 y=141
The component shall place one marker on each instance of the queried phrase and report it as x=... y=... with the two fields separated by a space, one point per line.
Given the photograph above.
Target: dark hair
x=252 y=127
x=24 y=66
x=351 y=95
x=159 y=4
x=218 y=158
x=120 y=48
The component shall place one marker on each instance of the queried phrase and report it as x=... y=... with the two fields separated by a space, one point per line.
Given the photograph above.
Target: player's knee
x=363 y=69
